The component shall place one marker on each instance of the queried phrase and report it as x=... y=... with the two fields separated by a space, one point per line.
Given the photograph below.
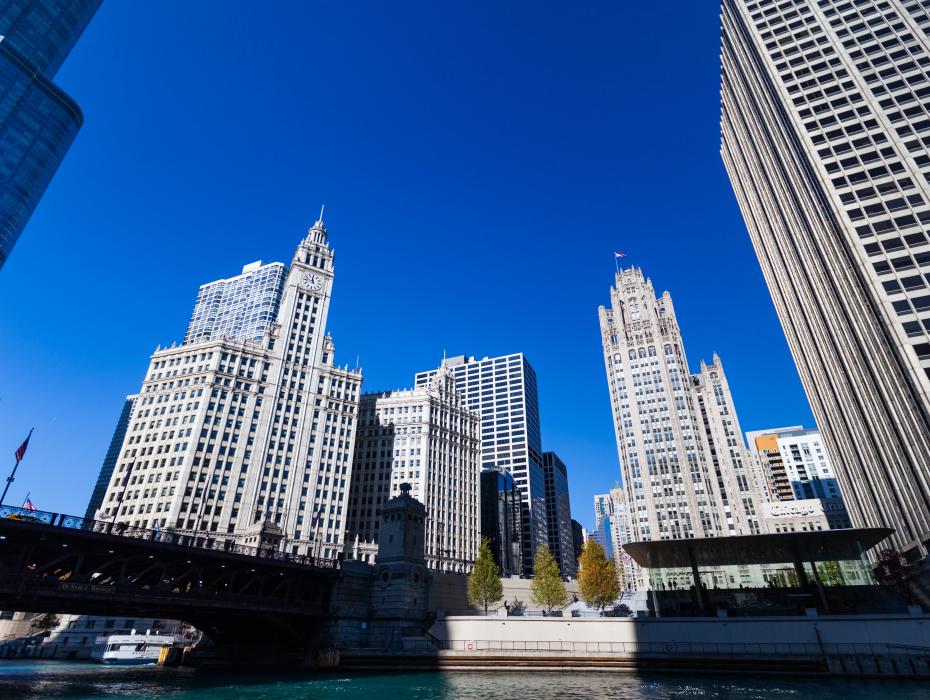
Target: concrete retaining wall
x=900 y=631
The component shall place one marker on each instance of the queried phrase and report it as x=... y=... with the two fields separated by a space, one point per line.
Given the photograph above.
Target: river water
x=49 y=679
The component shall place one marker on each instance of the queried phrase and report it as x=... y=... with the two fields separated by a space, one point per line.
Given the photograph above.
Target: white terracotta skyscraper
x=228 y=435
x=682 y=455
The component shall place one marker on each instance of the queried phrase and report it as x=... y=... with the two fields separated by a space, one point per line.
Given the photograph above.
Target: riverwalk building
x=38 y=121
x=824 y=122
x=685 y=467
x=503 y=392
x=770 y=574
x=425 y=438
x=228 y=435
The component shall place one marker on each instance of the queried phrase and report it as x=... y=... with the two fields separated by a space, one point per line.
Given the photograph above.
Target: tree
x=831 y=573
x=45 y=623
x=597 y=577
x=547 y=587
x=484 y=581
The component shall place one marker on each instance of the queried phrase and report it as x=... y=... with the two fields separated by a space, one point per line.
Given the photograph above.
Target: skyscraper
x=612 y=526
x=796 y=467
x=502 y=520
x=112 y=456
x=427 y=438
x=38 y=121
x=559 y=514
x=230 y=435
x=503 y=391
x=824 y=123
x=240 y=307
x=681 y=451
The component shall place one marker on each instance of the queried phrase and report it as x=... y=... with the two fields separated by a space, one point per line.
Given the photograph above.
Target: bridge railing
x=199 y=540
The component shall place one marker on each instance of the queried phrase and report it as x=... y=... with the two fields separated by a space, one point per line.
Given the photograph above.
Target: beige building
x=824 y=122
x=428 y=438
x=682 y=456
x=227 y=434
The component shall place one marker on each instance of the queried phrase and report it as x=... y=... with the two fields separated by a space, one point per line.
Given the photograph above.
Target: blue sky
x=479 y=163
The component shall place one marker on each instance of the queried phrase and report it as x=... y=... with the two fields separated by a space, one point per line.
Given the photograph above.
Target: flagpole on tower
x=20 y=453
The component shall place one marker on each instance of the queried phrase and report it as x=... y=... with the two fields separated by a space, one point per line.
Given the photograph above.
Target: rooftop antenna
x=322 y=207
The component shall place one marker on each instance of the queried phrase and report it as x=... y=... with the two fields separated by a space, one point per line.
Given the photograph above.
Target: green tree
x=484 y=581
x=547 y=587
x=597 y=576
x=831 y=573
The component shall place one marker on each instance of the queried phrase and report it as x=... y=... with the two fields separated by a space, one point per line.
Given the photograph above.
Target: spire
x=317 y=232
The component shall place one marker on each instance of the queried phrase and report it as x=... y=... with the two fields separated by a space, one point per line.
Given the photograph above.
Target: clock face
x=312 y=281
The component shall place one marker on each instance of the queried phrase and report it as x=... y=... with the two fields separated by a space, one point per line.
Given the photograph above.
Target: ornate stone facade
x=226 y=434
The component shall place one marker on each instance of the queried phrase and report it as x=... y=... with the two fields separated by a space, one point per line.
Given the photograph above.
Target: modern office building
x=612 y=525
x=240 y=307
x=38 y=121
x=681 y=450
x=111 y=458
x=230 y=435
x=559 y=514
x=796 y=466
x=579 y=535
x=502 y=520
x=503 y=391
x=424 y=437
x=824 y=123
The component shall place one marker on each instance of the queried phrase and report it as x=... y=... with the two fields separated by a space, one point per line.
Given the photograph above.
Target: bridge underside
x=259 y=608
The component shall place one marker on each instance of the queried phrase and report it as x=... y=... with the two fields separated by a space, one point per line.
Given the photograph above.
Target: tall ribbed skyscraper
x=825 y=123
x=233 y=436
x=38 y=121
x=684 y=463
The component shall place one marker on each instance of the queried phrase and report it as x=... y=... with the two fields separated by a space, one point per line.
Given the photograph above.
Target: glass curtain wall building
x=112 y=457
x=241 y=307
x=38 y=121
x=503 y=390
x=825 y=123
x=559 y=514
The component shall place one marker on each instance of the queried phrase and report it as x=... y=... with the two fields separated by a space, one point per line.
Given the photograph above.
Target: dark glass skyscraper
x=112 y=457
x=38 y=121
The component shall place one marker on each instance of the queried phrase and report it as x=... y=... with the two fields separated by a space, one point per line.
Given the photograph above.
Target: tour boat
x=127 y=649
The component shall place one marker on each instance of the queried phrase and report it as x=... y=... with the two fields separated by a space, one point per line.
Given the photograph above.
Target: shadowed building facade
x=38 y=121
x=825 y=115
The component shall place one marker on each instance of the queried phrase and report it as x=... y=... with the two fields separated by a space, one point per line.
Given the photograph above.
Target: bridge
x=247 y=599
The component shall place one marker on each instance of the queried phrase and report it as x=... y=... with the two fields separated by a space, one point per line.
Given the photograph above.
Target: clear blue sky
x=479 y=162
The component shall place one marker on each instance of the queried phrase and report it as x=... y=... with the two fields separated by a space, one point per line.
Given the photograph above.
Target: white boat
x=128 y=649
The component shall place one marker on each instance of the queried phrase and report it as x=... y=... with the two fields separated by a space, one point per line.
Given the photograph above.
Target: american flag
x=619 y=255
x=27 y=504
x=21 y=452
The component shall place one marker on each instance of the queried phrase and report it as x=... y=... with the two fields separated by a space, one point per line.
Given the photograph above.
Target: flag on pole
x=126 y=478
x=27 y=504
x=21 y=452
x=619 y=255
